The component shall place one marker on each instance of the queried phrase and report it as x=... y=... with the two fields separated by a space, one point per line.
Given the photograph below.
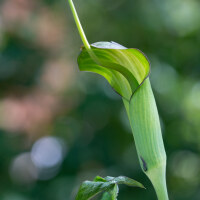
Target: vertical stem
x=161 y=191
x=79 y=26
x=82 y=34
x=145 y=124
x=157 y=176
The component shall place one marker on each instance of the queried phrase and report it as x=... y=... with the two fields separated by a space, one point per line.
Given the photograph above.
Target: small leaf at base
x=89 y=189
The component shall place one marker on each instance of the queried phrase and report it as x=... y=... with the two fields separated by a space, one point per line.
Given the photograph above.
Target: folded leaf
x=109 y=184
x=124 y=180
x=106 y=196
x=114 y=192
x=88 y=189
x=125 y=69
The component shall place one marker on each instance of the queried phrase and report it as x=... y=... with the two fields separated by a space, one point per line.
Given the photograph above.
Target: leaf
x=99 y=179
x=88 y=189
x=114 y=192
x=124 y=180
x=106 y=196
x=125 y=69
x=109 y=184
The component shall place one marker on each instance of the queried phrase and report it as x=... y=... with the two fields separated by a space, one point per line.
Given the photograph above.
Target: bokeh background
x=59 y=126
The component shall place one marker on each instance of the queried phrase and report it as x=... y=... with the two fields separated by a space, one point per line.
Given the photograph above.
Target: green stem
x=144 y=120
x=157 y=176
x=79 y=26
x=82 y=34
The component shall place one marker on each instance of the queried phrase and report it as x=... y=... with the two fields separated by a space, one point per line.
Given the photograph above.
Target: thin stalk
x=82 y=34
x=79 y=26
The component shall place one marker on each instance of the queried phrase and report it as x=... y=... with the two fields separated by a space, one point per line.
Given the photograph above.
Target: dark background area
x=59 y=126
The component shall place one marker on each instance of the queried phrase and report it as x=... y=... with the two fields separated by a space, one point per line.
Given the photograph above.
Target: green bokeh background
x=43 y=95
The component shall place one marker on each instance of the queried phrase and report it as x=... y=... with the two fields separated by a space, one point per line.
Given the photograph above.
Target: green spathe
x=144 y=120
x=127 y=71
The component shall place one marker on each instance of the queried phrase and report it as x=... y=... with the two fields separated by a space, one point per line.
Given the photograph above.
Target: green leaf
x=124 y=180
x=106 y=196
x=99 y=179
x=114 y=192
x=89 y=189
x=125 y=69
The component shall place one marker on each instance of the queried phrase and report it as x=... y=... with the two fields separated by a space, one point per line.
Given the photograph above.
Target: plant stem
x=144 y=120
x=157 y=176
x=82 y=34
x=79 y=26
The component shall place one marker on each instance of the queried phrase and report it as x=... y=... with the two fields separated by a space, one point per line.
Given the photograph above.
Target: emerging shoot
x=127 y=71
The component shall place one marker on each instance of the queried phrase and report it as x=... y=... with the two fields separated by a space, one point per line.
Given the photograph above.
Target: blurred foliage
x=57 y=124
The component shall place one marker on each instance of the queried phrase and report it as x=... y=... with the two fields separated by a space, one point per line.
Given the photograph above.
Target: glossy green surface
x=109 y=185
x=125 y=69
